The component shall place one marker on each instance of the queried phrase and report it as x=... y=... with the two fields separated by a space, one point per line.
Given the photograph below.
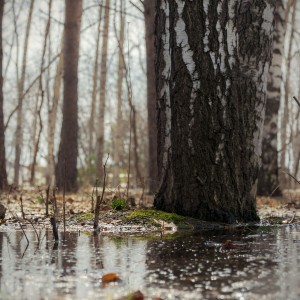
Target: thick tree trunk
x=66 y=168
x=119 y=119
x=149 y=13
x=21 y=82
x=3 y=175
x=101 y=115
x=212 y=67
x=268 y=182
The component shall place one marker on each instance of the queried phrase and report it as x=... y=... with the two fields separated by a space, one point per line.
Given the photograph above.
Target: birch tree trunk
x=284 y=178
x=268 y=182
x=40 y=99
x=21 y=82
x=149 y=13
x=3 y=174
x=119 y=120
x=101 y=115
x=66 y=168
x=95 y=85
x=212 y=65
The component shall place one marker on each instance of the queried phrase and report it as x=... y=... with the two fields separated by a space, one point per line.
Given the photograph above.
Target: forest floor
x=26 y=208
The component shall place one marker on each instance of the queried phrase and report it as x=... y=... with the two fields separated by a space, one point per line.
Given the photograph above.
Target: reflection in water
x=265 y=264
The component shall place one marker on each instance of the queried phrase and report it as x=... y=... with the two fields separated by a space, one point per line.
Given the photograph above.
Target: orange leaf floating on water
x=110 y=277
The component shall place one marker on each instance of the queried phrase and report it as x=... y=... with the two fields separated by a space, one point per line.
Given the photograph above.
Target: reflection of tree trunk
x=95 y=84
x=52 y=118
x=21 y=81
x=66 y=168
x=119 y=120
x=149 y=13
x=103 y=77
x=268 y=179
x=3 y=175
x=40 y=94
x=284 y=179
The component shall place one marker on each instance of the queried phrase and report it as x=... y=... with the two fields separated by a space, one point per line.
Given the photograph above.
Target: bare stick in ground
x=100 y=199
x=64 y=198
x=54 y=228
x=22 y=208
x=47 y=200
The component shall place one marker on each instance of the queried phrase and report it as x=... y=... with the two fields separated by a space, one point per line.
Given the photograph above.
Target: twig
x=296 y=101
x=100 y=199
x=54 y=228
x=47 y=200
x=22 y=208
x=23 y=231
x=292 y=177
x=37 y=235
x=64 y=198
x=292 y=219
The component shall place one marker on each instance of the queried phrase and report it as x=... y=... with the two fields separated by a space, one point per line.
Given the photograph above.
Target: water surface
x=261 y=263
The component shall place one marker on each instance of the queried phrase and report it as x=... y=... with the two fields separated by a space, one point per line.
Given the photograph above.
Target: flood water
x=263 y=263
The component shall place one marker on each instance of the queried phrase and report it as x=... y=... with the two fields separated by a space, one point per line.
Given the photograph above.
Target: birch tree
x=268 y=180
x=119 y=119
x=149 y=14
x=21 y=83
x=3 y=175
x=212 y=64
x=66 y=168
x=103 y=77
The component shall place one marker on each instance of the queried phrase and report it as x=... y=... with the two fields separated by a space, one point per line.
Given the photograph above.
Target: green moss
x=84 y=217
x=119 y=204
x=156 y=214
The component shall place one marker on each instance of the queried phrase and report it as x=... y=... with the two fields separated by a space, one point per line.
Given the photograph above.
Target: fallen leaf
x=138 y=295
x=110 y=277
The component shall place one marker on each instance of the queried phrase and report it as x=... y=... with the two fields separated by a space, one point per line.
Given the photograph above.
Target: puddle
x=259 y=263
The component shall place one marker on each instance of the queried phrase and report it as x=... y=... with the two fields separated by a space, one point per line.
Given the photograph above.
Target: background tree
x=102 y=100
x=268 y=182
x=149 y=14
x=66 y=168
x=211 y=101
x=21 y=83
x=3 y=176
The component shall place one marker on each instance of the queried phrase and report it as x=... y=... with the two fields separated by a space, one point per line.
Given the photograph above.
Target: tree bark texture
x=149 y=13
x=101 y=115
x=268 y=182
x=212 y=64
x=3 y=174
x=66 y=168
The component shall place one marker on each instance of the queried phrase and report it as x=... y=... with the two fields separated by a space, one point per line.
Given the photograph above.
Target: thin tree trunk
x=149 y=13
x=284 y=179
x=95 y=84
x=268 y=182
x=3 y=175
x=101 y=114
x=52 y=118
x=212 y=64
x=21 y=81
x=40 y=94
x=66 y=168
x=119 y=119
